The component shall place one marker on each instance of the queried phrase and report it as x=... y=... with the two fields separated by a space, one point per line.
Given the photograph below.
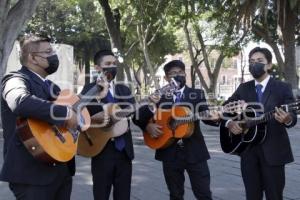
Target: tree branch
x=191 y=53
x=154 y=35
x=12 y=26
x=203 y=49
x=130 y=48
x=263 y=34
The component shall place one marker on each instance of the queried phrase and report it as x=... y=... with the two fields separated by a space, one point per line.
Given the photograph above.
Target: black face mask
x=110 y=73
x=53 y=64
x=180 y=80
x=257 y=69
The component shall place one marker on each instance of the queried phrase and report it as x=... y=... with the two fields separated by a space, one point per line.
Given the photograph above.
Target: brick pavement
x=148 y=182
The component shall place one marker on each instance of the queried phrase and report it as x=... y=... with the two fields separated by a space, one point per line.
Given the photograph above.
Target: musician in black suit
x=112 y=167
x=263 y=165
x=27 y=94
x=188 y=154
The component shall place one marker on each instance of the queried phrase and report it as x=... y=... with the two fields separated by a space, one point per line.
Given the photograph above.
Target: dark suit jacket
x=30 y=100
x=276 y=147
x=122 y=96
x=194 y=146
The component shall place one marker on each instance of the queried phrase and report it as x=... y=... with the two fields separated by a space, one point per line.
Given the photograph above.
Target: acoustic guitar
x=178 y=122
x=254 y=128
x=92 y=141
x=50 y=143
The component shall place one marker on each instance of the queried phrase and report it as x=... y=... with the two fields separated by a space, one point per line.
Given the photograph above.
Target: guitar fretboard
x=87 y=97
x=179 y=120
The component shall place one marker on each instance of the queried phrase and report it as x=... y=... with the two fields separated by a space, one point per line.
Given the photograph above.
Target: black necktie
x=259 y=92
x=178 y=96
x=119 y=141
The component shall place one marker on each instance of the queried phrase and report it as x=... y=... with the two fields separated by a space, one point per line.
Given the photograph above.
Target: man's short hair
x=267 y=53
x=29 y=44
x=174 y=63
x=100 y=54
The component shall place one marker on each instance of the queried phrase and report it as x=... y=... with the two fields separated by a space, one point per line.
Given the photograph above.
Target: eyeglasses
x=252 y=63
x=174 y=73
x=46 y=52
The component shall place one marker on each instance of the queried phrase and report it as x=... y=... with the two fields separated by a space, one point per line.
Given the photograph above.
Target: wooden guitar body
x=93 y=141
x=50 y=143
x=165 y=118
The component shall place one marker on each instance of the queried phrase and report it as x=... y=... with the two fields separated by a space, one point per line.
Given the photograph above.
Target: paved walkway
x=148 y=182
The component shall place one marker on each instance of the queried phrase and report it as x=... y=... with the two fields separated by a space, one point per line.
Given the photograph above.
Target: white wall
x=65 y=74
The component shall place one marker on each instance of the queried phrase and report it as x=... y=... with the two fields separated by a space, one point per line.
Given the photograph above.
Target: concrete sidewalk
x=148 y=181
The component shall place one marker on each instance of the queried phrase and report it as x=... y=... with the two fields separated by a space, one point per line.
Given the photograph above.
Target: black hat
x=101 y=53
x=174 y=63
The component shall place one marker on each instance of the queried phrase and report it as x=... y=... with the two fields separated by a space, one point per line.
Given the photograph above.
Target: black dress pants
x=260 y=177
x=111 y=168
x=59 y=189
x=198 y=173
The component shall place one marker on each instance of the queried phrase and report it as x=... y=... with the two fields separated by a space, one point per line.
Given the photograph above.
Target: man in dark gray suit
x=186 y=154
x=263 y=164
x=26 y=93
x=112 y=167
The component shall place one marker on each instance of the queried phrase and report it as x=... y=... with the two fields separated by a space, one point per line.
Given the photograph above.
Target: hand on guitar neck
x=72 y=118
x=214 y=116
x=103 y=84
x=282 y=117
x=101 y=118
x=234 y=127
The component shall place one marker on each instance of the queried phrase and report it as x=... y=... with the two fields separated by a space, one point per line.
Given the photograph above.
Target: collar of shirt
x=263 y=83
x=43 y=79
x=181 y=92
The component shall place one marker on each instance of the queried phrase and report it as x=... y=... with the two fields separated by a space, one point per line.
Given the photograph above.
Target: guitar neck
x=87 y=97
x=126 y=113
x=266 y=117
x=194 y=117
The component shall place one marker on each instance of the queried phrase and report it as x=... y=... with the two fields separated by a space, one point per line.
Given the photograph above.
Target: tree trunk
x=112 y=21
x=193 y=76
x=215 y=74
x=12 y=21
x=87 y=66
x=288 y=28
x=142 y=36
x=192 y=57
x=261 y=32
x=128 y=73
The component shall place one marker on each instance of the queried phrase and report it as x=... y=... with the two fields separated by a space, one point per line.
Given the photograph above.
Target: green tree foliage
x=203 y=34
x=275 y=22
x=75 y=22
x=144 y=32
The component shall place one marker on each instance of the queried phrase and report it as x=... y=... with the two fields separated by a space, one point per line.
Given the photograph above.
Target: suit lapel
x=37 y=80
x=117 y=93
x=166 y=101
x=267 y=91
x=252 y=96
x=185 y=95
